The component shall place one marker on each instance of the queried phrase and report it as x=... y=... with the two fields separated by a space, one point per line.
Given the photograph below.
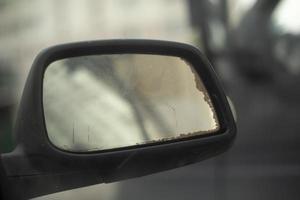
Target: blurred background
x=254 y=46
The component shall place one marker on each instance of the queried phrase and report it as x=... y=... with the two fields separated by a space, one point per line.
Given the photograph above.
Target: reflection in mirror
x=103 y=102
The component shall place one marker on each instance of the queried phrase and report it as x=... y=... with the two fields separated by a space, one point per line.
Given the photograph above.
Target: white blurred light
x=287 y=16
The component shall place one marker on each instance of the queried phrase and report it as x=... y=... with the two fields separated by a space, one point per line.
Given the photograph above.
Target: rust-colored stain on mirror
x=110 y=101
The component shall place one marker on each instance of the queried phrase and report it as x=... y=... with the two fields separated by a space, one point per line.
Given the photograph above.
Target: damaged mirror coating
x=103 y=102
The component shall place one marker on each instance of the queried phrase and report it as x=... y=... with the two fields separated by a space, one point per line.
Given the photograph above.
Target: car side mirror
x=104 y=111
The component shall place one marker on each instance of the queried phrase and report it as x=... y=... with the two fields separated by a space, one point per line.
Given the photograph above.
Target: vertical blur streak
x=199 y=18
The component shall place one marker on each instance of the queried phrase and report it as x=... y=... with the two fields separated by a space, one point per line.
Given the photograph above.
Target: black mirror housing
x=35 y=158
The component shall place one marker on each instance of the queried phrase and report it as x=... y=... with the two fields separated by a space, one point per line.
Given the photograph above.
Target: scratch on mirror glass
x=73 y=134
x=88 y=134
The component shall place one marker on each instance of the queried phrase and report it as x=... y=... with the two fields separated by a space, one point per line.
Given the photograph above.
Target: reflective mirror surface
x=104 y=102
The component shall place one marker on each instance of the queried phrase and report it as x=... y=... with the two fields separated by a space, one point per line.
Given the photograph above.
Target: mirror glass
x=104 y=102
